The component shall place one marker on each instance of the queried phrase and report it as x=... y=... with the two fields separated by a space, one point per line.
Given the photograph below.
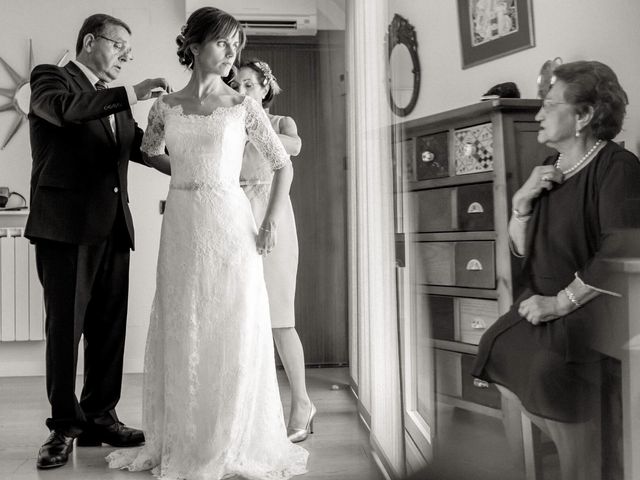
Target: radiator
x=21 y=304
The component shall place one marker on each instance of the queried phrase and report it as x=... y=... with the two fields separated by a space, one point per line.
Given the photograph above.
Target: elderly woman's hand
x=542 y=178
x=538 y=309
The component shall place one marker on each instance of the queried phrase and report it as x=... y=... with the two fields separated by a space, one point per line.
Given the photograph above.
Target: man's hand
x=148 y=88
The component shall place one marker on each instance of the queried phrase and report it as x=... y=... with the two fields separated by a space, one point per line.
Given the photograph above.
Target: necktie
x=102 y=85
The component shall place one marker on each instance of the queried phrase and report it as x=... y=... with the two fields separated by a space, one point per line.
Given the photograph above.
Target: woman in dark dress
x=573 y=212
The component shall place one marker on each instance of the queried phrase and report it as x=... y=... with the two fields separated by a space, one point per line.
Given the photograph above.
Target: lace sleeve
x=263 y=136
x=153 y=139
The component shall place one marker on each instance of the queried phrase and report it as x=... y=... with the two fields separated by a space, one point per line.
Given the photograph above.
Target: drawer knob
x=428 y=156
x=474 y=264
x=468 y=149
x=478 y=324
x=475 y=207
x=480 y=383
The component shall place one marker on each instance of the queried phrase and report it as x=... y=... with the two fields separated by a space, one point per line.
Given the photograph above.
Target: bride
x=211 y=406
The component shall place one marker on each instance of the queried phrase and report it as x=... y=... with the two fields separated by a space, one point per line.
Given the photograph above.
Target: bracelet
x=521 y=217
x=264 y=229
x=571 y=297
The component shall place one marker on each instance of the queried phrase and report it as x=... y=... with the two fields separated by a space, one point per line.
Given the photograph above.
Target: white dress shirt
x=93 y=79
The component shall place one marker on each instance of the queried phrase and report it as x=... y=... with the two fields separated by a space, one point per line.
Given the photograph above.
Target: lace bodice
x=207 y=150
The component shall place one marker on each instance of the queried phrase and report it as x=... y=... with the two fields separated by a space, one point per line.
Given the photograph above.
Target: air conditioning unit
x=262 y=17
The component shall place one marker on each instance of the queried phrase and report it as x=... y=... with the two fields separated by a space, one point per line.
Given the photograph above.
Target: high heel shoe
x=296 y=435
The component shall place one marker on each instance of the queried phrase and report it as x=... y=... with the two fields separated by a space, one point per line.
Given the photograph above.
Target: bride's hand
x=266 y=239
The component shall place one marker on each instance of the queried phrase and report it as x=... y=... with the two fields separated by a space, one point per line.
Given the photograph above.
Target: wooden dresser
x=461 y=169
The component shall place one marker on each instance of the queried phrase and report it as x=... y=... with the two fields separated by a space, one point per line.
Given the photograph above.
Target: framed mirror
x=403 y=67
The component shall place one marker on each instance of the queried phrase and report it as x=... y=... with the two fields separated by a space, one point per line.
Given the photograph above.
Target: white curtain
x=374 y=355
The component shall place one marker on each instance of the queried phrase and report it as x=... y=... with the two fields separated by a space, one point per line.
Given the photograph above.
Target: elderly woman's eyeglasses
x=120 y=47
x=548 y=105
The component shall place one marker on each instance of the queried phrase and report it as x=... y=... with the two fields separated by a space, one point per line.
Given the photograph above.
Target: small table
x=620 y=339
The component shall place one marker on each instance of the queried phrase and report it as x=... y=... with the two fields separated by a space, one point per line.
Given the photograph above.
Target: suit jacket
x=79 y=173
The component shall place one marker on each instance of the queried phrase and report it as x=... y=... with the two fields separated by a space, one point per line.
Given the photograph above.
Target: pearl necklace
x=582 y=160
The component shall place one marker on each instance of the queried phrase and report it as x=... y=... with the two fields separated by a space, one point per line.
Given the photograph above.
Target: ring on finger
x=546 y=178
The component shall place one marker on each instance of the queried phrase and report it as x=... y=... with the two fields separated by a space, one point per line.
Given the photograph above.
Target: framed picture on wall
x=490 y=29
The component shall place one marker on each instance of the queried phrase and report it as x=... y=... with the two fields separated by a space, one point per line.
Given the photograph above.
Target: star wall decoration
x=19 y=94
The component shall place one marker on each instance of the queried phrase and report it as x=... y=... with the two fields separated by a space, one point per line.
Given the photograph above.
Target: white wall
x=331 y=14
x=571 y=29
x=53 y=26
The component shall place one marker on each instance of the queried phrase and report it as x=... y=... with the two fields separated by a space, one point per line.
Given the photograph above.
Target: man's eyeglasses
x=120 y=47
x=548 y=105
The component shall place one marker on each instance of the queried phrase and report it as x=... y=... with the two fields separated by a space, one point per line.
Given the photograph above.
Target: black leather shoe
x=55 y=451
x=117 y=435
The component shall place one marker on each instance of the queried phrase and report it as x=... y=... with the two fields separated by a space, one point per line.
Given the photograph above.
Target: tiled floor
x=339 y=448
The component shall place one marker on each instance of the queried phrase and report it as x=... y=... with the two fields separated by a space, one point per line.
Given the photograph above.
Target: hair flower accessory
x=183 y=29
x=268 y=76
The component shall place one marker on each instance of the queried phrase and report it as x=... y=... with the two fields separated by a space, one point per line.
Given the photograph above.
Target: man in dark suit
x=82 y=138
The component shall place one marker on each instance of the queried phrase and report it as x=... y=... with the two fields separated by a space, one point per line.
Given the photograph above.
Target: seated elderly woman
x=567 y=217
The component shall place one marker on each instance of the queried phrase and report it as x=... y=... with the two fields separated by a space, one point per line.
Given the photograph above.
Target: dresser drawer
x=436 y=210
x=442 y=315
x=448 y=373
x=475 y=390
x=436 y=263
x=475 y=316
x=475 y=264
x=473 y=149
x=463 y=208
x=463 y=264
x=475 y=207
x=432 y=156
x=459 y=319
x=453 y=378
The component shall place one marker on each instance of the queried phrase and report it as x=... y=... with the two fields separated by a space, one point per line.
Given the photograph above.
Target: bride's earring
x=577 y=132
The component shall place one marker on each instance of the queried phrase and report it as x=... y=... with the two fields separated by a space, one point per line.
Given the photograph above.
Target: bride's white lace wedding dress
x=211 y=406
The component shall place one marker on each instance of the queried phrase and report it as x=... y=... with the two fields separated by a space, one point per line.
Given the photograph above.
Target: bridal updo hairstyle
x=203 y=25
x=594 y=84
x=266 y=79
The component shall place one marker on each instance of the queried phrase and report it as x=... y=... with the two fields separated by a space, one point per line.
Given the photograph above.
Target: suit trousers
x=85 y=294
